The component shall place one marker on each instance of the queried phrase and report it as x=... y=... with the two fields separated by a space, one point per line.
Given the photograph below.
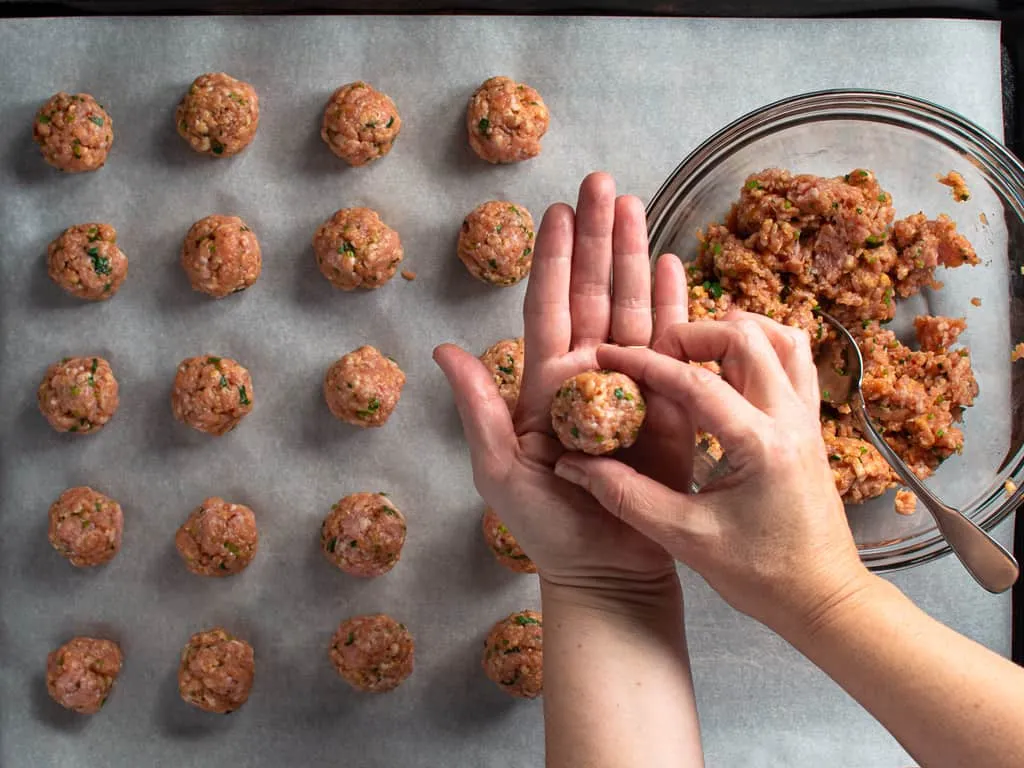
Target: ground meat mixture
x=506 y=121
x=514 y=654
x=363 y=534
x=218 y=539
x=81 y=673
x=906 y=502
x=957 y=185
x=216 y=671
x=1017 y=353
x=211 y=394
x=219 y=115
x=86 y=262
x=504 y=545
x=86 y=526
x=505 y=362
x=355 y=249
x=363 y=387
x=221 y=256
x=598 y=412
x=73 y=132
x=360 y=123
x=78 y=394
x=793 y=243
x=373 y=653
x=496 y=242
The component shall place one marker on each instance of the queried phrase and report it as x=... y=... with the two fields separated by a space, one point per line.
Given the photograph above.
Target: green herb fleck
x=826 y=394
x=492 y=263
x=753 y=184
x=100 y=264
x=96 y=120
x=873 y=241
x=351 y=638
x=213 y=360
x=243 y=397
x=834 y=457
x=353 y=544
x=574 y=432
x=370 y=409
x=527 y=251
x=522 y=621
x=484 y=126
x=332 y=544
x=940 y=433
x=714 y=288
x=216 y=147
x=232 y=548
x=391 y=121
x=347 y=247
x=44 y=119
x=223 y=381
x=508 y=371
x=93 y=233
x=883 y=198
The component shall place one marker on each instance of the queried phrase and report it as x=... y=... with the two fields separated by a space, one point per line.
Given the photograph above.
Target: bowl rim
x=905 y=111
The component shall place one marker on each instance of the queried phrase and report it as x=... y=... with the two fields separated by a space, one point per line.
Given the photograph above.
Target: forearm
x=617 y=684
x=948 y=700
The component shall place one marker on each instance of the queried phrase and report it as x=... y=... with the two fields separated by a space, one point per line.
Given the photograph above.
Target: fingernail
x=570 y=472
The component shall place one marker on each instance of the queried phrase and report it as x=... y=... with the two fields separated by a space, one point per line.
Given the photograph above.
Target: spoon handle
x=985 y=559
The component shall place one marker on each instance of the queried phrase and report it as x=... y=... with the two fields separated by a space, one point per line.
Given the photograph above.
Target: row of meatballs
x=596 y=412
x=372 y=653
x=218 y=117
x=363 y=534
x=354 y=249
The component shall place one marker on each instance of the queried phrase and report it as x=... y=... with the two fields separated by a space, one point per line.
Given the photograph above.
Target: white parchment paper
x=629 y=96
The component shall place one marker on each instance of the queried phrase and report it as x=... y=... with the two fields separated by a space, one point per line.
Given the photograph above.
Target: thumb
x=486 y=422
x=642 y=503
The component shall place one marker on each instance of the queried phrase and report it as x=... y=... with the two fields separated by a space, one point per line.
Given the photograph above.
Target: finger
x=590 y=285
x=642 y=503
x=484 y=415
x=670 y=294
x=631 y=274
x=546 y=320
x=706 y=399
x=748 y=360
x=793 y=346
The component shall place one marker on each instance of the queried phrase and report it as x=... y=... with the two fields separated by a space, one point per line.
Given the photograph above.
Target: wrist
x=836 y=604
x=653 y=595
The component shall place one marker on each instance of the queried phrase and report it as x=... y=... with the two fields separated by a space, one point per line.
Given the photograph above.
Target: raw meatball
x=355 y=249
x=211 y=394
x=506 y=121
x=221 y=256
x=514 y=654
x=86 y=526
x=360 y=123
x=74 y=132
x=496 y=242
x=78 y=394
x=505 y=362
x=372 y=653
x=218 y=539
x=219 y=115
x=86 y=262
x=81 y=673
x=504 y=545
x=598 y=412
x=216 y=671
x=363 y=387
x=363 y=534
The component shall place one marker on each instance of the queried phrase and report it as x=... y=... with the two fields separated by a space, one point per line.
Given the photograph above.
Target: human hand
x=771 y=537
x=571 y=308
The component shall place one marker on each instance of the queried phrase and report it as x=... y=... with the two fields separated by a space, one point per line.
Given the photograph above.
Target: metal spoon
x=984 y=558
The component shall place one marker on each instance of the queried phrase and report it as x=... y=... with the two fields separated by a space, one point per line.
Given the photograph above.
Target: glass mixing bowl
x=908 y=143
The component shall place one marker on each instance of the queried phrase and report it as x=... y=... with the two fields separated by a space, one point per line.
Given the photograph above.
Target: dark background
x=1010 y=12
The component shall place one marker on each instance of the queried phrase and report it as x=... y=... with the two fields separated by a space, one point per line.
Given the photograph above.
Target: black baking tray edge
x=1009 y=12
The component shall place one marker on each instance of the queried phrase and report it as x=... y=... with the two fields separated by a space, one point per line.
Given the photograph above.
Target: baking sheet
x=630 y=96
